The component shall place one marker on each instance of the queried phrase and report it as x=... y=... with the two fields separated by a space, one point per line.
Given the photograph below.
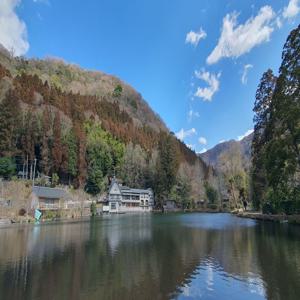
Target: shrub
x=7 y=167
x=268 y=208
x=211 y=194
x=212 y=206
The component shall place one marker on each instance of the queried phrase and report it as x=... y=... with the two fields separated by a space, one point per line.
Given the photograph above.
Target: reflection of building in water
x=127 y=229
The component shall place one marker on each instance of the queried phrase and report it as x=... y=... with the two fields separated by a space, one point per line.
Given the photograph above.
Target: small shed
x=46 y=198
x=170 y=205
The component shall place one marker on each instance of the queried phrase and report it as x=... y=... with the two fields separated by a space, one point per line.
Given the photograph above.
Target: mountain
x=212 y=157
x=232 y=162
x=72 y=78
x=83 y=126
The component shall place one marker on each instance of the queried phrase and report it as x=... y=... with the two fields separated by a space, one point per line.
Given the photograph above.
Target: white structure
x=123 y=199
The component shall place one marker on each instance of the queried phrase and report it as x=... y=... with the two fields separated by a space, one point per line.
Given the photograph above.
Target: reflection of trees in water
x=134 y=257
x=278 y=248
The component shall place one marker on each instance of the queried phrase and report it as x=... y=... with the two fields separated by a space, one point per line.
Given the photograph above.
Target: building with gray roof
x=124 y=199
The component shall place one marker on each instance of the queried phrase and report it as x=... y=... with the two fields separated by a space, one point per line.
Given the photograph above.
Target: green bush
x=211 y=194
x=51 y=214
x=117 y=91
x=7 y=167
x=212 y=206
x=268 y=208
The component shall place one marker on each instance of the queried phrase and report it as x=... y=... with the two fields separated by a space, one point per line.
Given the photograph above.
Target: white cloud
x=182 y=134
x=194 y=37
x=202 y=140
x=244 y=78
x=42 y=1
x=236 y=40
x=13 y=33
x=278 y=22
x=291 y=10
x=192 y=114
x=240 y=137
x=222 y=141
x=213 y=84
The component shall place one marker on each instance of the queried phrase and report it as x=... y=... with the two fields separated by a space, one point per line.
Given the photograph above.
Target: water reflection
x=147 y=256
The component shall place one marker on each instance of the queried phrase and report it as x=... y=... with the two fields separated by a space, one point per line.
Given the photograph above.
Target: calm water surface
x=180 y=256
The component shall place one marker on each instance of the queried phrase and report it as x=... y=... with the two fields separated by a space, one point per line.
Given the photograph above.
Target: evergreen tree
x=7 y=167
x=45 y=151
x=9 y=112
x=283 y=159
x=167 y=166
x=57 y=145
x=263 y=100
x=70 y=144
x=81 y=155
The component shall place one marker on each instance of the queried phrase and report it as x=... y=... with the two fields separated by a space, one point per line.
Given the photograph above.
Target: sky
x=196 y=62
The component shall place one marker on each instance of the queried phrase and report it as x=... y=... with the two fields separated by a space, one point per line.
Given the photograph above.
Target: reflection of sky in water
x=216 y=221
x=210 y=281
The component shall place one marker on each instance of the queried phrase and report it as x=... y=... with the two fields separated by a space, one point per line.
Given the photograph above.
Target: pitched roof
x=47 y=192
x=125 y=189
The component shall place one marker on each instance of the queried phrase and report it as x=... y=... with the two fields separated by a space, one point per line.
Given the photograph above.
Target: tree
x=55 y=180
x=283 y=148
x=263 y=101
x=234 y=173
x=57 y=145
x=45 y=151
x=211 y=194
x=95 y=182
x=167 y=166
x=7 y=167
x=29 y=134
x=118 y=91
x=9 y=112
x=81 y=155
x=181 y=192
x=134 y=166
x=71 y=148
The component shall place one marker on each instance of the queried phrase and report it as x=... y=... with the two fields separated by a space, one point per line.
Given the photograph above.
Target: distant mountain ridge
x=72 y=78
x=212 y=156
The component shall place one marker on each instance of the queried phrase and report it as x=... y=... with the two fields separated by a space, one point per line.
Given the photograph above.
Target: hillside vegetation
x=83 y=127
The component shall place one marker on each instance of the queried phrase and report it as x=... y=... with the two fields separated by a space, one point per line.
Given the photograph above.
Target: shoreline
x=290 y=219
x=279 y=218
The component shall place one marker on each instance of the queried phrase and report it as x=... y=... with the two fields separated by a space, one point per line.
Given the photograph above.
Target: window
x=113 y=205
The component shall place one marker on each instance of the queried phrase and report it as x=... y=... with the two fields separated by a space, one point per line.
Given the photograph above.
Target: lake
x=151 y=256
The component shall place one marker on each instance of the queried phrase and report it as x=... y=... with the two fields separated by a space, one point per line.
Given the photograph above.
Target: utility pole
x=23 y=174
x=27 y=167
x=33 y=172
x=30 y=171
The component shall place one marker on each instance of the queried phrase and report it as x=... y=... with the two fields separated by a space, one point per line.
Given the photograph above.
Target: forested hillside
x=82 y=127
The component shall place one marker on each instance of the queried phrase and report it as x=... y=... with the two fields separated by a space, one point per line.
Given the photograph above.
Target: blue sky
x=196 y=62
